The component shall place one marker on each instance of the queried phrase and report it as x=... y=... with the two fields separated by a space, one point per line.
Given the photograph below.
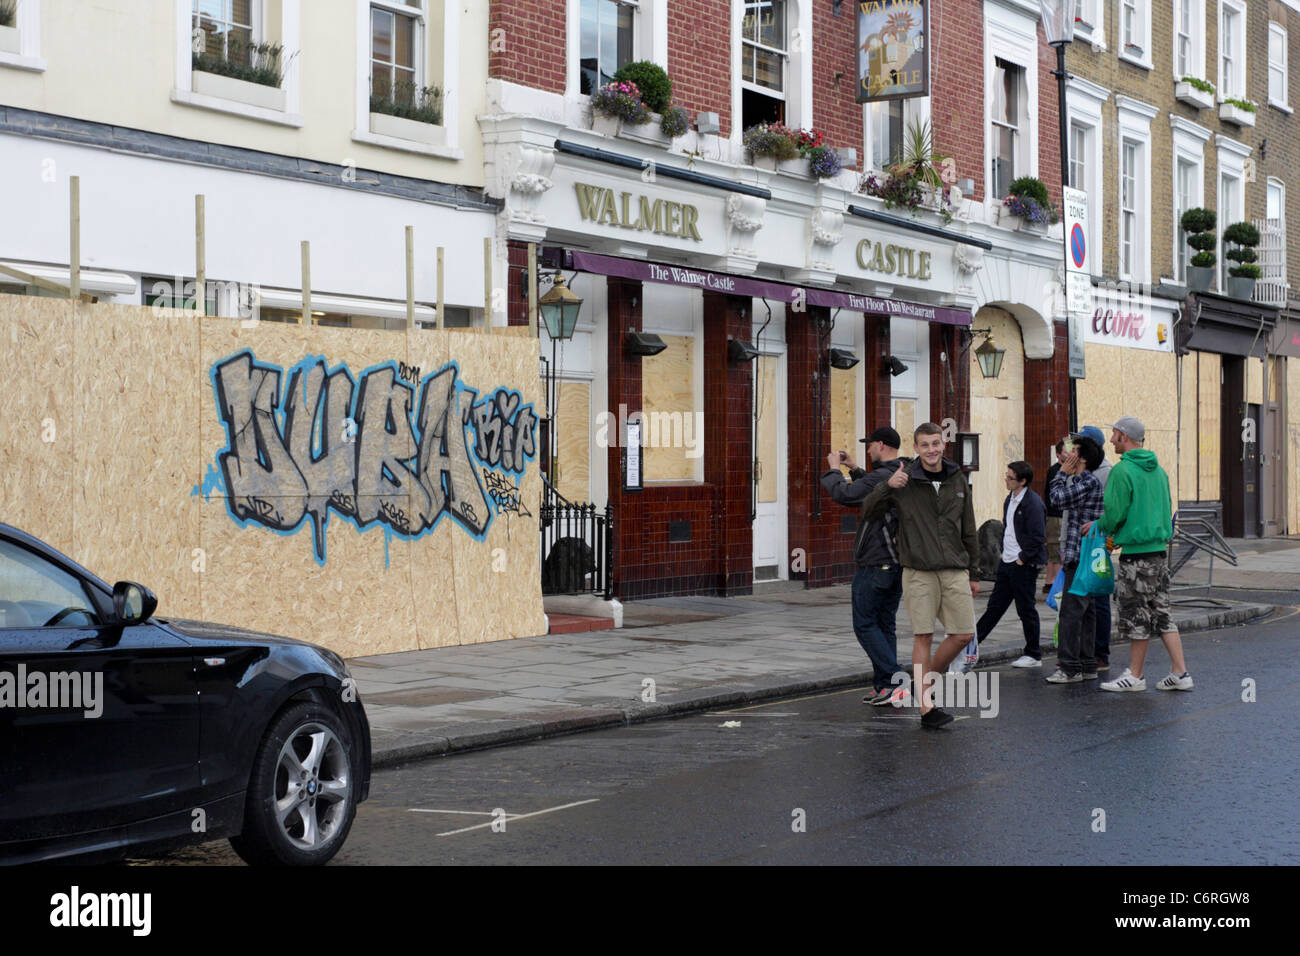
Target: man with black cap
x=877 y=585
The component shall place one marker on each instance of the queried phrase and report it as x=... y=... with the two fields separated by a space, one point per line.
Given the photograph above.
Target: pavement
x=1265 y=564
x=689 y=654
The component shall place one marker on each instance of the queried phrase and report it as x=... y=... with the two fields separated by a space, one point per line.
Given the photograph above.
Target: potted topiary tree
x=1199 y=225
x=656 y=95
x=1028 y=205
x=1241 y=277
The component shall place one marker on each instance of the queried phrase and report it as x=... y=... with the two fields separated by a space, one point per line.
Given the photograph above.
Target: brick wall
x=949 y=380
x=527 y=43
x=957 y=103
x=699 y=57
x=836 y=111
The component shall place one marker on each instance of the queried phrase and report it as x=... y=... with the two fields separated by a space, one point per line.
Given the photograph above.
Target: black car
x=121 y=732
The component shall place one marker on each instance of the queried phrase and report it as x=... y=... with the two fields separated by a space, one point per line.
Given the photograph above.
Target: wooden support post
x=410 y=277
x=487 y=283
x=74 y=237
x=532 y=289
x=200 y=258
x=306 y=318
x=440 y=323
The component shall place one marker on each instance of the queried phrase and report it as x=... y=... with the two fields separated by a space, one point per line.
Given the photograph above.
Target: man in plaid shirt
x=1077 y=490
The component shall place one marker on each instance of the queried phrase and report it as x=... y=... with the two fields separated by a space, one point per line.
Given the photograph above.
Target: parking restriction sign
x=1075 y=204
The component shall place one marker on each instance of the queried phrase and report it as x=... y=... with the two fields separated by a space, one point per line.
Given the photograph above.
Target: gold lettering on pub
x=630 y=211
x=893 y=260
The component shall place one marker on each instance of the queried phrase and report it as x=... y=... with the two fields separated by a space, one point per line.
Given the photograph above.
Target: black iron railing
x=577 y=545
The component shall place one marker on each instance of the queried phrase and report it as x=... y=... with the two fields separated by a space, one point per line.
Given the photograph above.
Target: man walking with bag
x=1137 y=518
x=1023 y=553
x=1076 y=490
x=877 y=585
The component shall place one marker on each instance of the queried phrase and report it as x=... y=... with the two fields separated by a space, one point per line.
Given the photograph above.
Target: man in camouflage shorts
x=1136 y=516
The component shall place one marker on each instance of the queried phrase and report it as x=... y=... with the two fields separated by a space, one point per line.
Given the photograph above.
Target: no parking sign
x=1078 y=272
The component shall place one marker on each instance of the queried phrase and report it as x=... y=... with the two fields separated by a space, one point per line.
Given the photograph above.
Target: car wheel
x=301 y=796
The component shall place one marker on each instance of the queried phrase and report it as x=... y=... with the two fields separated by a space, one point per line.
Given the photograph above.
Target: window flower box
x=9 y=40
x=382 y=124
x=1189 y=94
x=1231 y=112
x=239 y=91
x=794 y=167
x=649 y=132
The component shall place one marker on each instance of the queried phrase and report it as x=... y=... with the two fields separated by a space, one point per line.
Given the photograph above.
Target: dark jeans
x=1103 y=628
x=1076 y=642
x=1014 y=582
x=876 y=593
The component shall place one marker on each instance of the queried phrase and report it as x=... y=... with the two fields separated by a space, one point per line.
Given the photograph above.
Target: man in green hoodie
x=1137 y=520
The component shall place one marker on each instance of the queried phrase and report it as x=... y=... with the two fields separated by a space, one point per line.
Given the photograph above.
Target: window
x=1078 y=155
x=178 y=293
x=607 y=41
x=764 y=62
x=1185 y=191
x=1128 y=210
x=1277 y=65
x=1230 y=201
x=396 y=40
x=1183 y=40
x=1275 y=210
x=1232 y=49
x=36 y=593
x=1134 y=31
x=20 y=38
x=1008 y=113
x=225 y=29
x=1129 y=19
x=1088 y=22
x=886 y=131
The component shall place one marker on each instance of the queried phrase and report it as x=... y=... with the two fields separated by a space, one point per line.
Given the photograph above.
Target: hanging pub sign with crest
x=893 y=56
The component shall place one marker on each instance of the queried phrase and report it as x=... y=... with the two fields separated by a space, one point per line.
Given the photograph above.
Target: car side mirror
x=132 y=603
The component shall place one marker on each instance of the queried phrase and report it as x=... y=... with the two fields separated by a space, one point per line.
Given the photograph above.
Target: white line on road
x=475 y=813
x=724 y=713
x=521 y=816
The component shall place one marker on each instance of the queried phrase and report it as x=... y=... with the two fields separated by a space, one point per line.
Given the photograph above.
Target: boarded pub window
x=671 y=431
x=607 y=41
x=764 y=62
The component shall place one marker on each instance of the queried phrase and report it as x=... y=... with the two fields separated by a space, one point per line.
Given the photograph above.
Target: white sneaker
x=1174 y=682
x=959 y=665
x=1026 y=661
x=1126 y=681
x=1061 y=677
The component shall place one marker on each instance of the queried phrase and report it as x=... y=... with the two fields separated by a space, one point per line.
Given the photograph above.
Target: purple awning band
x=761 y=288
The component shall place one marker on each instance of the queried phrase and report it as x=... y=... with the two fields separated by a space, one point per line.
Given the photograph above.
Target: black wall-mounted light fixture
x=895 y=367
x=843 y=358
x=741 y=351
x=643 y=343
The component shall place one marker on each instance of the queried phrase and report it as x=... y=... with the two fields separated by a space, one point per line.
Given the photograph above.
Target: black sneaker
x=878 y=697
x=936 y=718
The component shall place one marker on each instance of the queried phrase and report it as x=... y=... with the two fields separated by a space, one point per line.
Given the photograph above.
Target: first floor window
x=1128 y=211
x=396 y=31
x=1008 y=109
x=886 y=133
x=764 y=62
x=1277 y=65
x=1078 y=155
x=223 y=29
x=1183 y=45
x=1132 y=27
x=1275 y=210
x=606 y=41
x=1184 y=199
x=1229 y=212
x=1231 y=54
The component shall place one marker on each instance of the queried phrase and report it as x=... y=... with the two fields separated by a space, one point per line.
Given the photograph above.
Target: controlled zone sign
x=1077 y=246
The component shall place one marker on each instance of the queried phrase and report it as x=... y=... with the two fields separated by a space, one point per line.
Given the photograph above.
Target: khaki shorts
x=944 y=595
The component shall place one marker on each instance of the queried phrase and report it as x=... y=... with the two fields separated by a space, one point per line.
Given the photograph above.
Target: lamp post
x=559 y=308
x=1058 y=26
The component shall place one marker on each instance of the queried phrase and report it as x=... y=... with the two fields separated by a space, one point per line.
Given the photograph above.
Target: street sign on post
x=1078 y=273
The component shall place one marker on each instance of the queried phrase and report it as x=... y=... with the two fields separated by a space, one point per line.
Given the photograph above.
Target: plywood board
x=1187 y=467
x=1255 y=381
x=768 y=428
x=1209 y=370
x=140 y=477
x=997 y=413
x=668 y=402
x=574 y=426
x=905 y=424
x=845 y=430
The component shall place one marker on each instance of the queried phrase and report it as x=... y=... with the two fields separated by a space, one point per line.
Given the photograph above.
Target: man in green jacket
x=939 y=552
x=1137 y=520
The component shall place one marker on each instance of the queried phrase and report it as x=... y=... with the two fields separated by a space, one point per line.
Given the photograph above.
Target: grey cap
x=1131 y=427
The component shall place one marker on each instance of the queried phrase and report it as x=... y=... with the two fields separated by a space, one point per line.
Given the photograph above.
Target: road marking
x=475 y=813
x=520 y=816
x=723 y=713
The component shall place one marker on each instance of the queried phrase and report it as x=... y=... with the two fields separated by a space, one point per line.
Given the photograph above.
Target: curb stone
x=404 y=747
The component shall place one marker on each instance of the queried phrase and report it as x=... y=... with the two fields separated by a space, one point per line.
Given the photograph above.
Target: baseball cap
x=1093 y=432
x=1131 y=427
x=884 y=434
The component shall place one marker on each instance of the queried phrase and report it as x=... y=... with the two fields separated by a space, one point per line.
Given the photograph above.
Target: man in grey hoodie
x=877 y=585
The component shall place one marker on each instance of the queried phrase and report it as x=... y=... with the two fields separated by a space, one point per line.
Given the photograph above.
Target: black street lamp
x=1058 y=25
x=559 y=308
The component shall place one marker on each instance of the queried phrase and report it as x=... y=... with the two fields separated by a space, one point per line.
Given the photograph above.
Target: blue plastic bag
x=1054 y=594
x=1095 y=576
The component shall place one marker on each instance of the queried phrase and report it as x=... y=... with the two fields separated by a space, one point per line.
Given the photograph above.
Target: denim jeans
x=1103 y=629
x=876 y=593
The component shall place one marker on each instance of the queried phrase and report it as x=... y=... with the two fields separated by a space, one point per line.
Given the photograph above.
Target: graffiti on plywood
x=373 y=450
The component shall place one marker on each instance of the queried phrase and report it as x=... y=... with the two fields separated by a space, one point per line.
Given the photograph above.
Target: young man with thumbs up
x=939 y=551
